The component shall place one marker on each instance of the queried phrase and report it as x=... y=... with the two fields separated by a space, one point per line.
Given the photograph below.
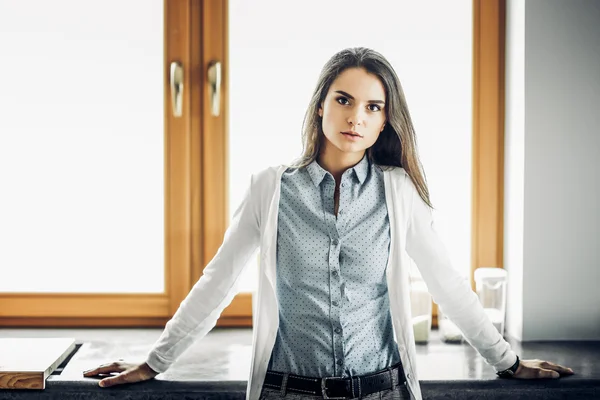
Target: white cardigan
x=254 y=225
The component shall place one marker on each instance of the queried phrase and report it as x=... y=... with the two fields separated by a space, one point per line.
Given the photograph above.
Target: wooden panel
x=241 y=306
x=214 y=135
x=26 y=363
x=198 y=79
x=488 y=134
x=177 y=157
x=81 y=305
x=115 y=310
x=235 y=322
x=83 y=322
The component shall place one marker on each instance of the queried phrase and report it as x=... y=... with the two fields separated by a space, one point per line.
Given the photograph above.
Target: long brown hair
x=397 y=143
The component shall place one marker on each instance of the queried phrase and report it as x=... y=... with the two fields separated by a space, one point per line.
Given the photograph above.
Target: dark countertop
x=217 y=366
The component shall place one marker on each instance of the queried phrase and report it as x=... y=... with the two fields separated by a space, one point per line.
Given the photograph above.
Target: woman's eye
x=375 y=107
x=342 y=100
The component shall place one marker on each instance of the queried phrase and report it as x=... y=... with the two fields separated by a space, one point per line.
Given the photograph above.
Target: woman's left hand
x=539 y=369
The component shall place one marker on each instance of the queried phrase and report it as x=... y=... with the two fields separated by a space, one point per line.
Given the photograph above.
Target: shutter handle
x=176 y=88
x=214 y=80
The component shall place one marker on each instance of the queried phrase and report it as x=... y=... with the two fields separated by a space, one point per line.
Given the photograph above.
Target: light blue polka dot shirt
x=334 y=312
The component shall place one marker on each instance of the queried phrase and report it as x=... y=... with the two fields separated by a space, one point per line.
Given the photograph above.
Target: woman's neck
x=336 y=162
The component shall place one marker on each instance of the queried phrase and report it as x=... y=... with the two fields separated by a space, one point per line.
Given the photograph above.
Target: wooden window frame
x=196 y=176
x=489 y=48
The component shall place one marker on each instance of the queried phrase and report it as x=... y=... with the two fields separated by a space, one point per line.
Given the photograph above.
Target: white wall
x=560 y=264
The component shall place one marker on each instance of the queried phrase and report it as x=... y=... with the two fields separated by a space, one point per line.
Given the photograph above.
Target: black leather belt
x=336 y=387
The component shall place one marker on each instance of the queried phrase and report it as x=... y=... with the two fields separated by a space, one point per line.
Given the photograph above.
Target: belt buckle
x=324 y=388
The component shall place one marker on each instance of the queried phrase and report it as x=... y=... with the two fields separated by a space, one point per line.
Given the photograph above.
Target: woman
x=334 y=230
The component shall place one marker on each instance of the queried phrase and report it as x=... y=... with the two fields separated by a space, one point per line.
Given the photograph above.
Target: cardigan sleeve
x=449 y=288
x=198 y=312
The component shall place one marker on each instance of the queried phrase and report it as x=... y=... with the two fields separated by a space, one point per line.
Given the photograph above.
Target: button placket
x=335 y=299
x=345 y=201
x=335 y=278
x=336 y=292
x=342 y=200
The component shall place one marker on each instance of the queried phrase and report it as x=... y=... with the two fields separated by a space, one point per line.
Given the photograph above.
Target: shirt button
x=339 y=362
x=337 y=330
x=335 y=242
x=343 y=185
x=340 y=212
x=335 y=303
x=334 y=273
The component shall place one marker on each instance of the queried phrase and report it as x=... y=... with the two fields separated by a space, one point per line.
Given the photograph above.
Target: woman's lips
x=351 y=135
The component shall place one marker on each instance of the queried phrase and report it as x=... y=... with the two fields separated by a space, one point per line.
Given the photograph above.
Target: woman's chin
x=350 y=148
x=345 y=146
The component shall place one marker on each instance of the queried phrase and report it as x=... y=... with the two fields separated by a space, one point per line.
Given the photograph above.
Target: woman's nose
x=356 y=118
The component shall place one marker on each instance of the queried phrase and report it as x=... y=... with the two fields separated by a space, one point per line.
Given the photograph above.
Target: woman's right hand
x=127 y=373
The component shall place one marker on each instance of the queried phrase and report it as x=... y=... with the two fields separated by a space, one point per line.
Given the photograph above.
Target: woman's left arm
x=452 y=292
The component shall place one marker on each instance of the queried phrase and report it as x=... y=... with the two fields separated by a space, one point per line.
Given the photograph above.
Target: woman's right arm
x=198 y=312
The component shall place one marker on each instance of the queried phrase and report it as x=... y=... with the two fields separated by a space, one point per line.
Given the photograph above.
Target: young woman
x=335 y=230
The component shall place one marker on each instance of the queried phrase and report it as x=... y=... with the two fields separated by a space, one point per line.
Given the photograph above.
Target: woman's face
x=354 y=111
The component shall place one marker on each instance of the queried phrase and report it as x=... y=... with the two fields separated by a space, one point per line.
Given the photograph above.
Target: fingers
x=539 y=369
x=124 y=377
x=129 y=373
x=547 y=373
x=105 y=369
x=537 y=373
x=558 y=368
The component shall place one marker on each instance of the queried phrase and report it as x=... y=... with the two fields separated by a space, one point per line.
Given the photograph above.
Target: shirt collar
x=317 y=173
x=361 y=169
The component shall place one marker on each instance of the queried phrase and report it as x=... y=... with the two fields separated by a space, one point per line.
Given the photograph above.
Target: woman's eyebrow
x=348 y=95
